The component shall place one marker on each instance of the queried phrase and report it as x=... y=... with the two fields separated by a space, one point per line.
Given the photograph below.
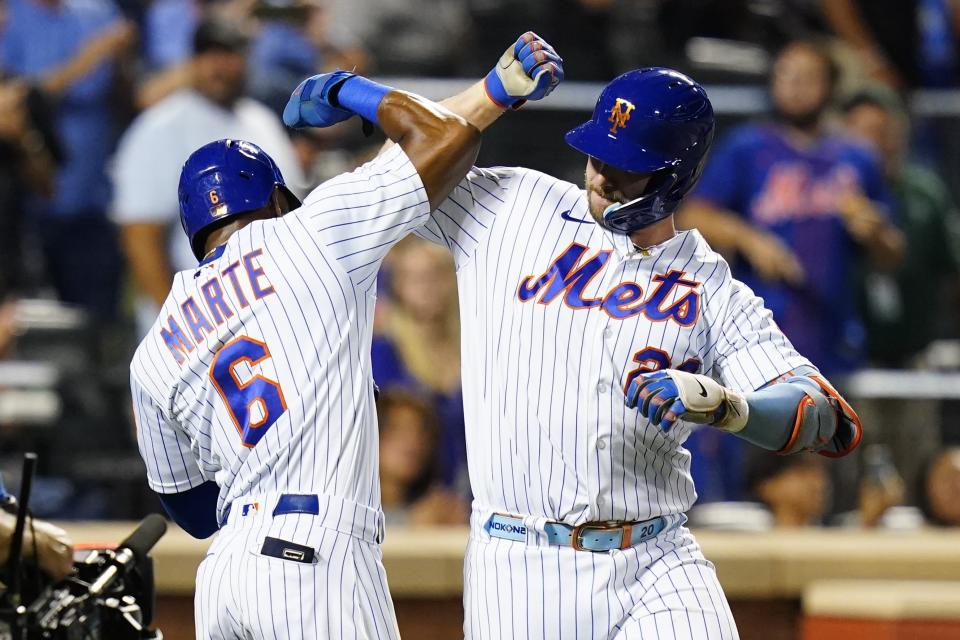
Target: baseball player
x=252 y=392
x=599 y=337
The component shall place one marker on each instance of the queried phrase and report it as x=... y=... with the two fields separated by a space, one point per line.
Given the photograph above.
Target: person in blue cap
x=597 y=337
x=252 y=390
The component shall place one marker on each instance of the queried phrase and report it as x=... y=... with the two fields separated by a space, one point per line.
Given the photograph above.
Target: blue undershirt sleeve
x=195 y=510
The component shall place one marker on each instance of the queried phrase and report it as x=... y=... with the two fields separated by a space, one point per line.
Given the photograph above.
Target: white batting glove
x=669 y=395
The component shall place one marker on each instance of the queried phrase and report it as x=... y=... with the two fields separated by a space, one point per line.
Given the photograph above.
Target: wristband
x=497 y=93
x=361 y=96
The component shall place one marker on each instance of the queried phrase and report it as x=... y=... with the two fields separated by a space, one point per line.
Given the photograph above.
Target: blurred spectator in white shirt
x=151 y=153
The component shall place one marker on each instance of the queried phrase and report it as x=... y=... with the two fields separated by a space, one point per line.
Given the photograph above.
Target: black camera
x=109 y=595
x=122 y=611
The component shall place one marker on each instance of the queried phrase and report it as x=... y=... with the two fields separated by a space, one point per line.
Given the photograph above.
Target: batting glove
x=312 y=104
x=666 y=396
x=528 y=70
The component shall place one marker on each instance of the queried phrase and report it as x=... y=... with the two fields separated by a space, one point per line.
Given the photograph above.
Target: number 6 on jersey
x=254 y=402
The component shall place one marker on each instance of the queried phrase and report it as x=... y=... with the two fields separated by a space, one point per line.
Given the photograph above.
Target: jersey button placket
x=593 y=421
x=605 y=372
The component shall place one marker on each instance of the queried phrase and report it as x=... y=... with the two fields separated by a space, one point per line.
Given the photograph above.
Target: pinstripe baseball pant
x=660 y=589
x=341 y=594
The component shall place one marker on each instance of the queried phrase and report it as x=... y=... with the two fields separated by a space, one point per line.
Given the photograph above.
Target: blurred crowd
x=835 y=205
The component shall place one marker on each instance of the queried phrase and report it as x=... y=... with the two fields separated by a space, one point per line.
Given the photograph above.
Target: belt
x=591 y=536
x=333 y=512
x=286 y=504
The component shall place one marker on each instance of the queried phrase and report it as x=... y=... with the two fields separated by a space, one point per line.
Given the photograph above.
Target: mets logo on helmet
x=619 y=114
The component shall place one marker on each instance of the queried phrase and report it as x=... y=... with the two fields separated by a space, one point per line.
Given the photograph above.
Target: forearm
x=441 y=145
x=6 y=534
x=844 y=19
x=194 y=510
x=144 y=245
x=887 y=247
x=113 y=40
x=162 y=84
x=475 y=106
x=37 y=167
x=722 y=229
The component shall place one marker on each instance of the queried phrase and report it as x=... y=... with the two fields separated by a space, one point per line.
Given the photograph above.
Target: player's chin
x=597 y=205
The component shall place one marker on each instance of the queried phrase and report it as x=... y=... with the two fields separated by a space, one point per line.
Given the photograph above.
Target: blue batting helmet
x=224 y=179
x=649 y=121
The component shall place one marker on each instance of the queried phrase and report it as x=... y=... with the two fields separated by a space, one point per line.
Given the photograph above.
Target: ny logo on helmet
x=619 y=114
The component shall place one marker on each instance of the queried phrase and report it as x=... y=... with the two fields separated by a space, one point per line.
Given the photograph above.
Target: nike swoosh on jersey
x=566 y=216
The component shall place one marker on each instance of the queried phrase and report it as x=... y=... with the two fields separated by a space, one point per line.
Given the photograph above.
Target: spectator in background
x=418 y=346
x=28 y=156
x=794 y=206
x=928 y=277
x=939 y=488
x=796 y=489
x=408 y=465
x=69 y=48
x=168 y=27
x=882 y=33
x=282 y=54
x=900 y=43
x=407 y=37
x=149 y=157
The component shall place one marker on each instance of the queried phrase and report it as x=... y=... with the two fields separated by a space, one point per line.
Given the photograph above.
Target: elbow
x=194 y=510
x=451 y=149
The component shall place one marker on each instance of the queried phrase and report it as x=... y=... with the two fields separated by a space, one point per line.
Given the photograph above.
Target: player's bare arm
x=799 y=411
x=529 y=69
x=440 y=145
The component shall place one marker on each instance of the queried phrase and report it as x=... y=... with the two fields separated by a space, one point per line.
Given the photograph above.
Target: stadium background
x=69 y=301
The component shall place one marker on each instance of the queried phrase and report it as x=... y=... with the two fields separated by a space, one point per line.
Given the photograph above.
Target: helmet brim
x=596 y=140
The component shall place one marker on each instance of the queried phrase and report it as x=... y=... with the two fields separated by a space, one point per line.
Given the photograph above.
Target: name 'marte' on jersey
x=256 y=373
x=562 y=316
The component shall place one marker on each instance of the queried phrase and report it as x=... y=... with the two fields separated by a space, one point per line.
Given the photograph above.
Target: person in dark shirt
x=794 y=205
x=907 y=309
x=28 y=157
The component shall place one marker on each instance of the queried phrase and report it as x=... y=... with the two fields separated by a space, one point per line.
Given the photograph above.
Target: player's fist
x=528 y=70
x=313 y=103
x=666 y=396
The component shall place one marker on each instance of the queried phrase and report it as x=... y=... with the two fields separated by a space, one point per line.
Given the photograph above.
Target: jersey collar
x=214 y=254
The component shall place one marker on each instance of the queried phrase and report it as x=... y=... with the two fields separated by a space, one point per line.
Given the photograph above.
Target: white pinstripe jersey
x=257 y=371
x=558 y=314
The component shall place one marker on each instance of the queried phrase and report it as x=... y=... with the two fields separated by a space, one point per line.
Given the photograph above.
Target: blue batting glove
x=656 y=396
x=310 y=104
x=528 y=70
